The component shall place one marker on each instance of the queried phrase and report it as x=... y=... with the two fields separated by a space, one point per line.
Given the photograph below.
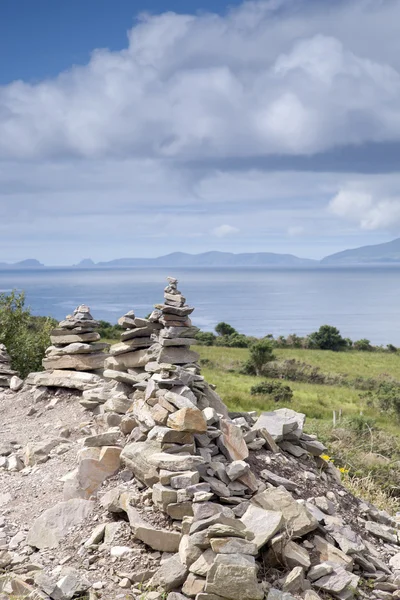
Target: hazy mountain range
x=388 y=253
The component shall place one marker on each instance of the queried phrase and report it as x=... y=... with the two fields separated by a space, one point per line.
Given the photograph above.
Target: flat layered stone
x=180 y=311
x=177 y=355
x=233 y=545
x=234 y=576
x=177 y=332
x=137 y=457
x=54 y=523
x=175 y=462
x=188 y=420
x=264 y=524
x=298 y=519
x=140 y=332
x=78 y=362
x=329 y=553
x=231 y=442
x=61 y=338
x=130 y=345
x=281 y=424
x=177 y=341
x=65 y=379
x=76 y=348
x=129 y=360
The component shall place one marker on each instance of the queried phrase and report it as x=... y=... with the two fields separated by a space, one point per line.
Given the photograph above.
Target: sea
x=362 y=302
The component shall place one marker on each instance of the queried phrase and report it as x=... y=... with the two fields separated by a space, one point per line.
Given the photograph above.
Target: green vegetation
x=362 y=388
x=25 y=336
x=109 y=331
x=260 y=354
x=327 y=338
x=276 y=390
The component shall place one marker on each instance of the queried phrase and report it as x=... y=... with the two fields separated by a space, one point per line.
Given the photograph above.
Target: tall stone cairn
x=75 y=344
x=6 y=372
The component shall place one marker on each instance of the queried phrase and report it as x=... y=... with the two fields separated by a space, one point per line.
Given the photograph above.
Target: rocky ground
x=138 y=484
x=42 y=432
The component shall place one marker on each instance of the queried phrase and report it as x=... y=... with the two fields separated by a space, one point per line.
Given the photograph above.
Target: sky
x=133 y=129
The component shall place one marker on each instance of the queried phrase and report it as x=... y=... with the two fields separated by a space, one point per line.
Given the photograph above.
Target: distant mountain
x=86 y=263
x=212 y=259
x=29 y=263
x=388 y=253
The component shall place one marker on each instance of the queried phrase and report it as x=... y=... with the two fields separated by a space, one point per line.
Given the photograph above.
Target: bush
x=235 y=340
x=328 y=338
x=26 y=337
x=225 y=329
x=261 y=353
x=391 y=348
x=109 y=331
x=278 y=391
x=205 y=338
x=386 y=397
x=363 y=345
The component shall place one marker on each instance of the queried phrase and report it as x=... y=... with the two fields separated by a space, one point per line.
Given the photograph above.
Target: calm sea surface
x=361 y=302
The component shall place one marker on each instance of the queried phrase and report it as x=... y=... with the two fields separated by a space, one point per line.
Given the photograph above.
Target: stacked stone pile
x=75 y=355
x=128 y=358
x=250 y=509
x=6 y=372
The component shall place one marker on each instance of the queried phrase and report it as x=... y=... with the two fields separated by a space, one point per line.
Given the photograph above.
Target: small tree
x=363 y=345
x=225 y=329
x=205 y=338
x=26 y=337
x=261 y=353
x=327 y=338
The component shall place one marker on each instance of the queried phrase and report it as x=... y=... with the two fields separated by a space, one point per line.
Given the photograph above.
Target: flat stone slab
x=67 y=379
x=52 y=525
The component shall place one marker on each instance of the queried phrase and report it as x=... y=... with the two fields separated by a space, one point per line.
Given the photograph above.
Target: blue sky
x=270 y=125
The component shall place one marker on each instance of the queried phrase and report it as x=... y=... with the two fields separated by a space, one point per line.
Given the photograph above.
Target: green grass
x=361 y=364
x=317 y=401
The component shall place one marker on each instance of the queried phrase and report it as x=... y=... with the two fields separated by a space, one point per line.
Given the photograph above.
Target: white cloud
x=208 y=85
x=143 y=149
x=224 y=230
x=367 y=208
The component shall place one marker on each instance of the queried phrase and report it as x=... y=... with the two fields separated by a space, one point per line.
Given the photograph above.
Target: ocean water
x=361 y=302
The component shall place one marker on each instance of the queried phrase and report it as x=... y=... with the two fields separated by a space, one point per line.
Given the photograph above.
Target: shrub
x=327 y=338
x=278 y=391
x=361 y=424
x=391 y=348
x=25 y=336
x=235 y=340
x=363 y=345
x=294 y=341
x=261 y=353
x=109 y=331
x=225 y=329
x=205 y=338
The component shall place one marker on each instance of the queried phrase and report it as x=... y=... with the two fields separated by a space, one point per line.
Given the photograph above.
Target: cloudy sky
x=270 y=125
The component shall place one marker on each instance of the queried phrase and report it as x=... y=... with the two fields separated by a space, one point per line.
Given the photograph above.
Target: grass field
x=363 y=364
x=365 y=440
x=220 y=366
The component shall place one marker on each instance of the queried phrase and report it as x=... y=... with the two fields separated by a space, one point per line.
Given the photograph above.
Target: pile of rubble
x=212 y=505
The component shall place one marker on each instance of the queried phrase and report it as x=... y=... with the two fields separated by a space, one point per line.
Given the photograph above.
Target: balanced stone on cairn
x=75 y=344
x=6 y=372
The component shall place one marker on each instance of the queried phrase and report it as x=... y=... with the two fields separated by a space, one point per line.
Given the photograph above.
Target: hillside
x=212 y=259
x=388 y=252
